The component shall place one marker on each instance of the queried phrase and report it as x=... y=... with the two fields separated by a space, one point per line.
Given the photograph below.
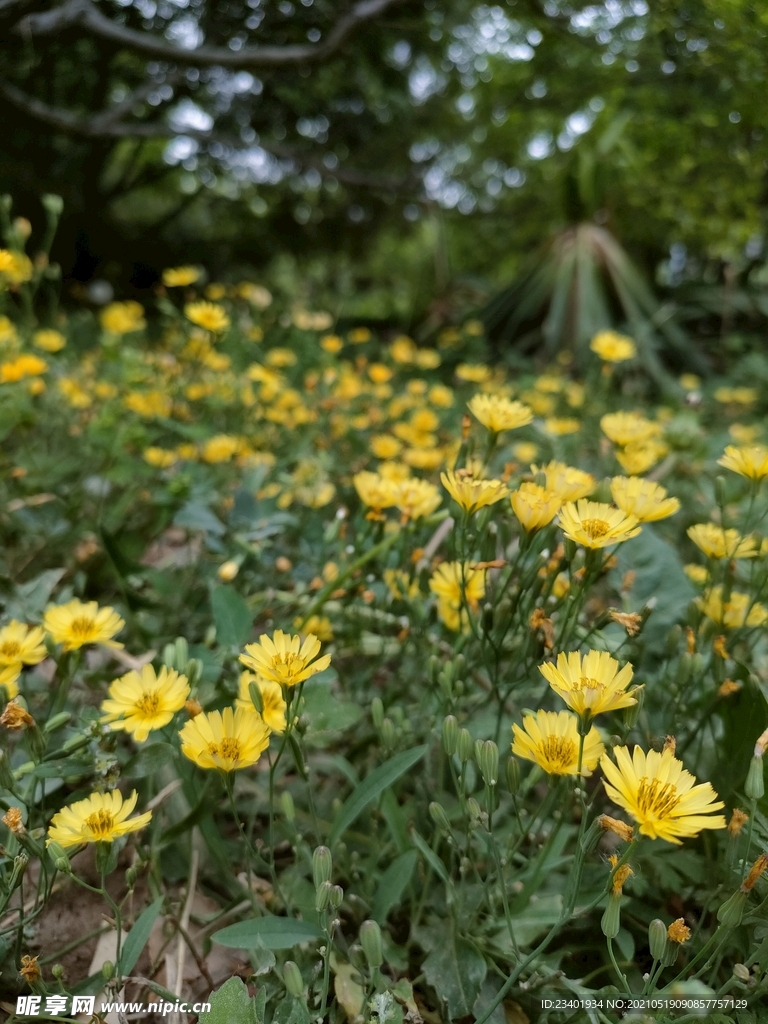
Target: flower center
x=595 y=527
x=558 y=751
x=82 y=626
x=657 y=799
x=10 y=649
x=587 y=684
x=230 y=748
x=100 y=823
x=148 y=704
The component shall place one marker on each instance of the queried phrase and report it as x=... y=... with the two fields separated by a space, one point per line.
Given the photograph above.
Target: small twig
x=183 y=925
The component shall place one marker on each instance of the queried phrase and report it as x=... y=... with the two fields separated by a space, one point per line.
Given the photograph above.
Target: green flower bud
x=684 y=669
x=182 y=653
x=674 y=637
x=513 y=775
x=322 y=865
x=56 y=722
x=256 y=699
x=671 y=952
x=720 y=497
x=465 y=745
x=293 y=980
x=433 y=669
x=388 y=733
x=611 y=919
x=459 y=666
x=130 y=877
x=439 y=817
x=323 y=896
x=657 y=938
x=754 y=787
x=450 y=735
x=287 y=805
x=475 y=812
x=591 y=837
x=570 y=548
x=632 y=713
x=370 y=940
x=731 y=912
x=741 y=972
x=377 y=712
x=52 y=204
x=487 y=757
x=107 y=970
x=194 y=671
x=169 y=655
x=337 y=895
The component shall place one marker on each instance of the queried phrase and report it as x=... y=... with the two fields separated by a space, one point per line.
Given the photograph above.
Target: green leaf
x=291 y=1011
x=393 y=884
x=195 y=516
x=138 y=936
x=431 y=857
x=274 y=932
x=372 y=787
x=231 y=1004
x=232 y=616
x=148 y=761
x=456 y=971
x=64 y=768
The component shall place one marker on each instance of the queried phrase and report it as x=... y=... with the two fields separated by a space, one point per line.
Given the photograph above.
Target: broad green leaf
x=195 y=516
x=138 y=936
x=148 y=761
x=393 y=884
x=231 y=1004
x=232 y=616
x=291 y=1011
x=456 y=970
x=372 y=787
x=274 y=932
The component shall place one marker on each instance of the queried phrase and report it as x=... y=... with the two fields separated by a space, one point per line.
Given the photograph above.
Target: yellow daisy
x=638 y=457
x=551 y=739
x=180 y=277
x=625 y=428
x=284 y=658
x=660 y=794
x=228 y=740
x=534 y=506
x=374 y=490
x=596 y=525
x=738 y=610
x=273 y=705
x=591 y=685
x=78 y=623
x=209 y=315
x=470 y=493
x=612 y=347
x=416 y=498
x=567 y=482
x=21 y=644
x=100 y=818
x=140 y=702
x=717 y=542
x=449 y=581
x=643 y=499
x=497 y=413
x=750 y=461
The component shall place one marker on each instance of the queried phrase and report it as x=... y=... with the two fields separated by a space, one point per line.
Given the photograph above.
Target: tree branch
x=85 y=14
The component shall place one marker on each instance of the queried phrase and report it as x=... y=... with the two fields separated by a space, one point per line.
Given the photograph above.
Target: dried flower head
x=737 y=822
x=678 y=931
x=12 y=820
x=619 y=828
x=15 y=716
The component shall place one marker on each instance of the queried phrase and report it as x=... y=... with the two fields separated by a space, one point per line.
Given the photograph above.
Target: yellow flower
x=558 y=426
x=21 y=367
x=400 y=585
x=123 y=317
x=591 y=685
x=497 y=413
x=140 y=702
x=100 y=818
x=257 y=295
x=331 y=343
x=161 y=458
x=8 y=334
x=228 y=740
x=273 y=706
x=375 y=491
x=470 y=493
x=534 y=506
x=227 y=571
x=477 y=373
x=222 y=448
x=16 y=267
x=441 y=396
x=209 y=315
x=644 y=499
x=416 y=498
x=660 y=794
x=180 y=277
x=149 y=403
x=625 y=428
x=457 y=586
x=696 y=573
x=320 y=625
x=525 y=451
x=424 y=458
x=380 y=373
x=568 y=483
x=596 y=525
x=744 y=434
x=281 y=357
x=359 y=335
x=738 y=611
x=612 y=347
x=717 y=542
x=750 y=461
x=739 y=396
x=384 y=446
x=638 y=458
x=690 y=381
x=21 y=645
x=49 y=341
x=284 y=658
x=551 y=739
x=76 y=624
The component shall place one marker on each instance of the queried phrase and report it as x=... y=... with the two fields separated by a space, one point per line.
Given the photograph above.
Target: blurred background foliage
x=403 y=161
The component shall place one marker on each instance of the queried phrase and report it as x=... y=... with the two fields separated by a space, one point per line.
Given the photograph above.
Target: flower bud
x=741 y=972
x=450 y=735
x=731 y=912
x=611 y=919
x=227 y=571
x=754 y=787
x=293 y=980
x=591 y=837
x=720 y=497
x=487 y=757
x=465 y=746
x=433 y=669
x=337 y=895
x=370 y=940
x=182 y=653
x=487 y=617
x=57 y=971
x=388 y=734
x=322 y=866
x=52 y=204
x=439 y=817
x=169 y=655
x=459 y=666
x=287 y=805
x=684 y=669
x=323 y=896
x=475 y=811
x=674 y=637
x=513 y=776
x=56 y=722
x=255 y=696
x=377 y=712
x=194 y=671
x=657 y=938
x=107 y=970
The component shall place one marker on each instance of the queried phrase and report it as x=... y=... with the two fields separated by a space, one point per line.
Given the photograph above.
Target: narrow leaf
x=273 y=932
x=138 y=936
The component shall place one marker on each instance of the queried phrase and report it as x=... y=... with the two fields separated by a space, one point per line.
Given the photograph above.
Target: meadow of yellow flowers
x=350 y=679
